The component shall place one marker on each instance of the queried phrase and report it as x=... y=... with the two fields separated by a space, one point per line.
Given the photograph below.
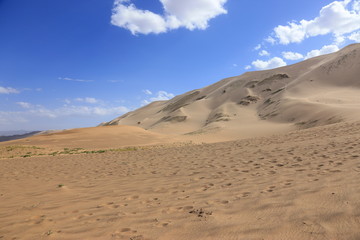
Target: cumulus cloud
x=272 y=63
x=257 y=47
x=8 y=90
x=324 y=50
x=355 y=37
x=87 y=100
x=264 y=53
x=292 y=56
x=270 y=40
x=337 y=18
x=247 y=67
x=160 y=96
x=356 y=6
x=136 y=20
x=189 y=14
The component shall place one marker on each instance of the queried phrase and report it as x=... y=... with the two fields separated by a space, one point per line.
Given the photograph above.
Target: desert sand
x=269 y=155
x=300 y=185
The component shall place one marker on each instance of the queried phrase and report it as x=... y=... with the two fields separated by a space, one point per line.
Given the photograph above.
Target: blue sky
x=67 y=64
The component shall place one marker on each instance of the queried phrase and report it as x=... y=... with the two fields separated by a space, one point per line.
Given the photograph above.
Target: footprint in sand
x=246 y=194
x=37 y=219
x=126 y=233
x=162 y=224
x=226 y=185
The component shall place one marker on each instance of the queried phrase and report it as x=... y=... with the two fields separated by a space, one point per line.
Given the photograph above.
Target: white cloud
x=247 y=67
x=74 y=79
x=8 y=90
x=324 y=50
x=356 y=6
x=24 y=105
x=41 y=111
x=67 y=116
x=147 y=92
x=189 y=14
x=272 y=63
x=264 y=53
x=84 y=111
x=109 y=111
x=87 y=100
x=137 y=21
x=355 y=37
x=270 y=40
x=292 y=55
x=71 y=110
x=8 y=118
x=291 y=33
x=160 y=96
x=40 y=117
x=257 y=47
x=336 y=18
x=339 y=39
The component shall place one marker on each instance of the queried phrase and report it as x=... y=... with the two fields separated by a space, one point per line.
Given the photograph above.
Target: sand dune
x=318 y=91
x=301 y=185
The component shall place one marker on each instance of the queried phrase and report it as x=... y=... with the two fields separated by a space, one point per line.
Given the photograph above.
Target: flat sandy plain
x=300 y=185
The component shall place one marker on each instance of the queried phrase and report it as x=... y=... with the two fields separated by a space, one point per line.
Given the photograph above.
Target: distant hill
x=14 y=132
x=17 y=136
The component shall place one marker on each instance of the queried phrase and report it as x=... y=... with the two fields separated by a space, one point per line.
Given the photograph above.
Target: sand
x=300 y=185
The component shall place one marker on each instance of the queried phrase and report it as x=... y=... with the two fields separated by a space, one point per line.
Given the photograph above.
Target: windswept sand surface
x=303 y=185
